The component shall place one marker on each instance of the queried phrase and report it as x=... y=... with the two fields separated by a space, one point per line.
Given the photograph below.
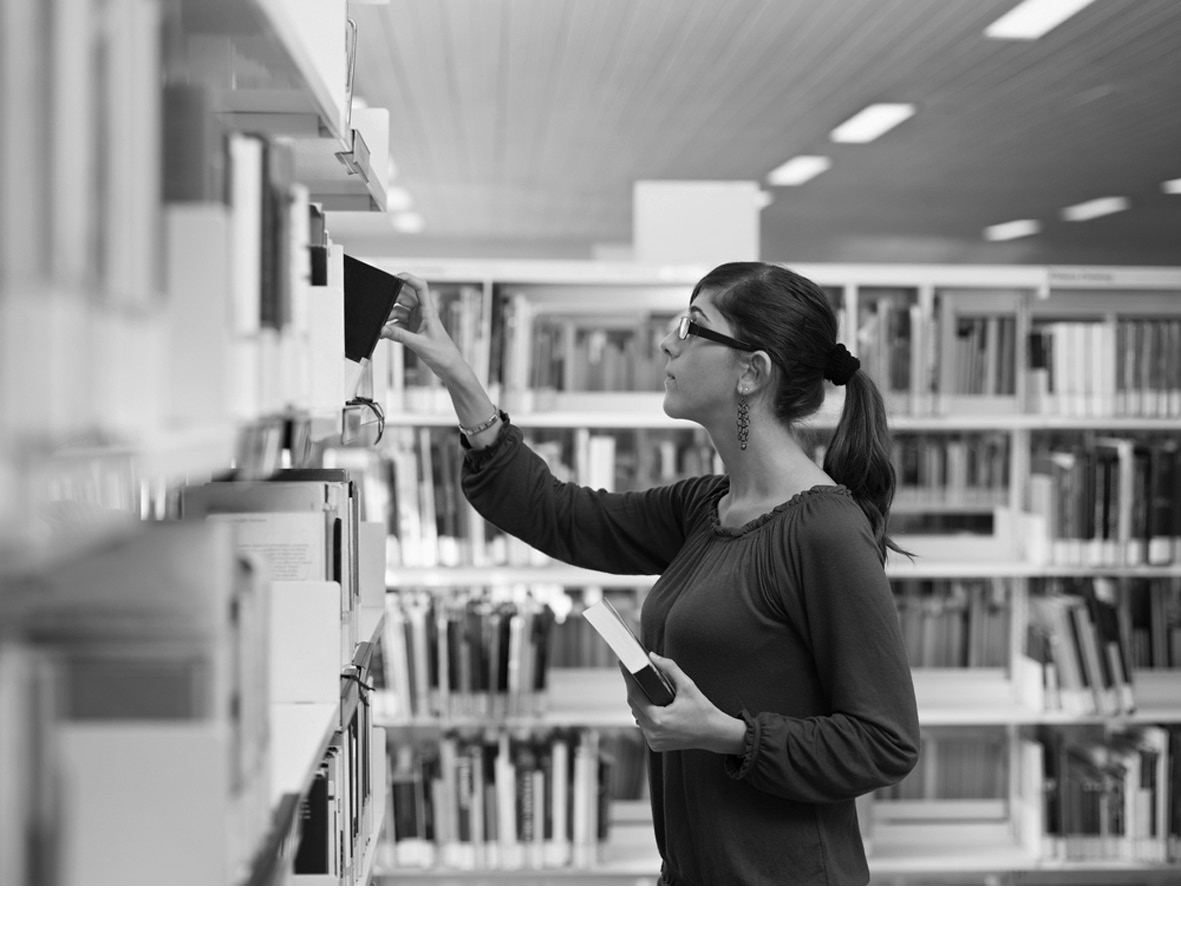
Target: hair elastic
x=841 y=365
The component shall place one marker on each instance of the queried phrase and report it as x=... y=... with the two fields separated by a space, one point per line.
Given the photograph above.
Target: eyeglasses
x=686 y=326
x=363 y=422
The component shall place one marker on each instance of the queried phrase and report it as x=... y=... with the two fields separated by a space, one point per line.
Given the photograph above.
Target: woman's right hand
x=431 y=342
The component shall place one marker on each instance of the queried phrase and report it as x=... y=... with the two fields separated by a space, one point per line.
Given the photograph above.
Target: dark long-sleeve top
x=787 y=622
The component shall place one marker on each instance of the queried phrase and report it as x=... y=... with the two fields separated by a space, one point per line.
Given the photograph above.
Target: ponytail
x=858 y=456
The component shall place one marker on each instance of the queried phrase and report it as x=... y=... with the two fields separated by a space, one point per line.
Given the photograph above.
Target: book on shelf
x=1084 y=650
x=1152 y=608
x=329 y=493
x=370 y=295
x=632 y=654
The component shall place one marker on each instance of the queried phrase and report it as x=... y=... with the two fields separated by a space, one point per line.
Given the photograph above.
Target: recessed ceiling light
x=409 y=223
x=870 y=123
x=1019 y=228
x=1172 y=187
x=798 y=170
x=1032 y=19
x=1094 y=208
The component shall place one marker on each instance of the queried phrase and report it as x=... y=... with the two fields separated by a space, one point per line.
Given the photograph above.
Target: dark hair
x=788 y=316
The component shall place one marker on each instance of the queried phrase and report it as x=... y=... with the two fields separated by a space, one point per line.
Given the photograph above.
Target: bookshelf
x=171 y=313
x=975 y=397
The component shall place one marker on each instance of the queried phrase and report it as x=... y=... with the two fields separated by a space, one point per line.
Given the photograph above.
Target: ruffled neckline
x=758 y=522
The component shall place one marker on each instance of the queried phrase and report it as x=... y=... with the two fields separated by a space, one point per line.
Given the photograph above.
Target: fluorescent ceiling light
x=1095 y=208
x=409 y=223
x=1032 y=19
x=798 y=170
x=763 y=199
x=1019 y=228
x=398 y=199
x=870 y=123
x=1172 y=187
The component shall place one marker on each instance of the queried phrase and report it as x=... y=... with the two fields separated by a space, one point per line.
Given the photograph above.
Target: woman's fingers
x=422 y=291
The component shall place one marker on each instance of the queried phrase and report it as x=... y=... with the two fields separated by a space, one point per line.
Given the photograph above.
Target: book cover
x=369 y=297
x=631 y=652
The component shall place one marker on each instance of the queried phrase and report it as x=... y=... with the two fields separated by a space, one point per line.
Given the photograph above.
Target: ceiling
x=519 y=126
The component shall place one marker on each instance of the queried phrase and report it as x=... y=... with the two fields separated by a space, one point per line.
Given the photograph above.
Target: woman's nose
x=668 y=343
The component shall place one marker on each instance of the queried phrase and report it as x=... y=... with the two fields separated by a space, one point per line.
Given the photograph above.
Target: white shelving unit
x=121 y=339
x=955 y=838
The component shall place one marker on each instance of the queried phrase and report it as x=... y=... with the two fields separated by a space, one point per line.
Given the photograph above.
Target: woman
x=772 y=617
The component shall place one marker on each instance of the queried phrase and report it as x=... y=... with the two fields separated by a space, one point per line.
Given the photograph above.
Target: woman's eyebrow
x=701 y=313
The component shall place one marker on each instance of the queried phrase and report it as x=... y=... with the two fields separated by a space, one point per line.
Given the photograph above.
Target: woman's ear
x=756 y=375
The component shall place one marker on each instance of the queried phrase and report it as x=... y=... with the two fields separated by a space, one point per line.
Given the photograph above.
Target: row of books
x=88 y=206
x=430 y=522
x=452 y=657
x=1105 y=795
x=951 y=469
x=300 y=526
x=505 y=802
x=928 y=357
x=1083 y=649
x=469 y=654
x=1152 y=611
x=1091 y=639
x=1106 y=500
x=965 y=766
x=1127 y=367
x=587 y=354
x=84 y=272
x=332 y=828
x=163 y=647
x=954 y=624
x=930 y=362
x=141 y=676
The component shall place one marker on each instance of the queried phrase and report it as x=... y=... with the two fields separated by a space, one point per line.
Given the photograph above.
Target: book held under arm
x=631 y=652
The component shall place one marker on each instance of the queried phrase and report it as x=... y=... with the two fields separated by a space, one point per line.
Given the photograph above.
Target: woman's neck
x=772 y=468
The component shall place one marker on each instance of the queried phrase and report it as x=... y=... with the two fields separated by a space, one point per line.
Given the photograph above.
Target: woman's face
x=701 y=376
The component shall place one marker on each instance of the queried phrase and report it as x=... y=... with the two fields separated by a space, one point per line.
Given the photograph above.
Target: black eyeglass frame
x=686 y=327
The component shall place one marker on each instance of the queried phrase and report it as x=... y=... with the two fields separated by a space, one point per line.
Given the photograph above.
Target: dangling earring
x=743 y=421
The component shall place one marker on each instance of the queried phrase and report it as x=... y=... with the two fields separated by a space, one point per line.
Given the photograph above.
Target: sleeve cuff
x=478 y=459
x=739 y=766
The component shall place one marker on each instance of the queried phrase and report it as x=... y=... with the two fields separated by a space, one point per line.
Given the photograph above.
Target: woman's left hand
x=690 y=721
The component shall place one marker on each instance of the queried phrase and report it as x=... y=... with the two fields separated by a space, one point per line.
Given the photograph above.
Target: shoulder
x=828 y=521
x=694 y=495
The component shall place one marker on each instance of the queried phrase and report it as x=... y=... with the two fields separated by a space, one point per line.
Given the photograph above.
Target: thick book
x=369 y=297
x=631 y=652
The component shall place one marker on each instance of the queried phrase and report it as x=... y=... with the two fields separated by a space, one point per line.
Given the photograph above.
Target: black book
x=369 y=297
x=631 y=652
x=312 y=856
